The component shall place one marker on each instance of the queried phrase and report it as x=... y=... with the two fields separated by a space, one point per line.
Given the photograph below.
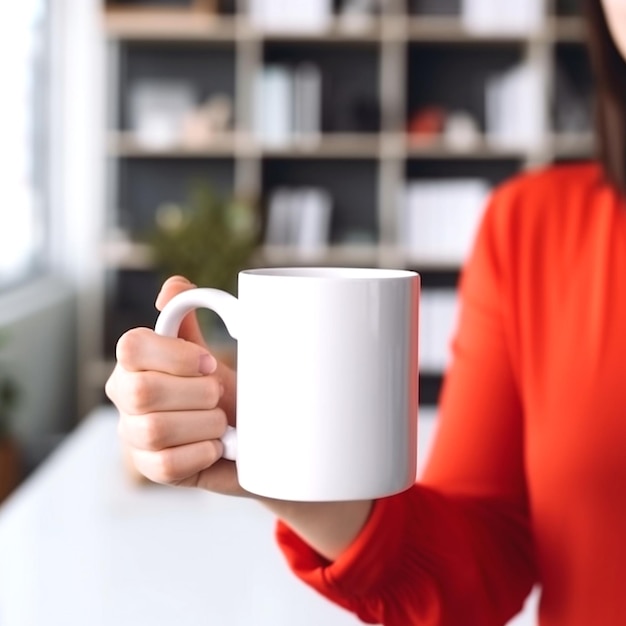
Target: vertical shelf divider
x=248 y=61
x=392 y=98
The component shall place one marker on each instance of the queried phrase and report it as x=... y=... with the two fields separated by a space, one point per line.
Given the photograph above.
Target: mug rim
x=331 y=273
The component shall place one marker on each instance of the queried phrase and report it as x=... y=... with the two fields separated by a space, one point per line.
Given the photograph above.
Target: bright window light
x=23 y=145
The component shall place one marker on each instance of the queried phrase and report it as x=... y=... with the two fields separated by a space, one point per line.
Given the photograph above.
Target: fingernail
x=207 y=364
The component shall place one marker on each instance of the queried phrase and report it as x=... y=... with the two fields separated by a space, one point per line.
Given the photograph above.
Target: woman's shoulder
x=547 y=199
x=558 y=183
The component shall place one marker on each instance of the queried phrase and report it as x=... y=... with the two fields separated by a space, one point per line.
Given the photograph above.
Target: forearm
x=328 y=527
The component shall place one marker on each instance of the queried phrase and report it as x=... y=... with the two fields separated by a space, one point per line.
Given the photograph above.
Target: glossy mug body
x=327 y=379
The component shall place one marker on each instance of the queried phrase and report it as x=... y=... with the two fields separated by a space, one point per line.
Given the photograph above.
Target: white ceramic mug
x=327 y=378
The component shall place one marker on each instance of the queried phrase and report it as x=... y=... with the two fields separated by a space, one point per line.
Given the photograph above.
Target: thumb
x=189 y=329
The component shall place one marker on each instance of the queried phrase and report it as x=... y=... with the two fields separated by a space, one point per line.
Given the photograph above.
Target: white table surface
x=81 y=545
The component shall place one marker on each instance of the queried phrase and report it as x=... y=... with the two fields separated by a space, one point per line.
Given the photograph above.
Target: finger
x=141 y=349
x=189 y=328
x=157 y=431
x=221 y=477
x=138 y=393
x=173 y=465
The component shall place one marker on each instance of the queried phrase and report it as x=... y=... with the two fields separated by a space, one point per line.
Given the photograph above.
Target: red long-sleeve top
x=526 y=481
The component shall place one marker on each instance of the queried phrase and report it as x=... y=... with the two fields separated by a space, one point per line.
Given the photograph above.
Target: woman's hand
x=175 y=401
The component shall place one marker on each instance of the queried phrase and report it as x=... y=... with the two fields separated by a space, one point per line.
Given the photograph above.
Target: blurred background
x=147 y=137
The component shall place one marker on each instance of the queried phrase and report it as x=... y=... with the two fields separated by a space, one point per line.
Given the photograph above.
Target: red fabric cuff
x=364 y=564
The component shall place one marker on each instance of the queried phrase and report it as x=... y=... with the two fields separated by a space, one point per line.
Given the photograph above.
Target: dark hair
x=609 y=73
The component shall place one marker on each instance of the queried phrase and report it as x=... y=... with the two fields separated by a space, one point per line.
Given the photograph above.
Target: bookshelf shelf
x=334 y=33
x=124 y=145
x=184 y=24
x=339 y=145
x=567 y=29
x=348 y=255
x=168 y=25
x=479 y=149
x=134 y=256
x=331 y=145
x=451 y=30
x=572 y=145
x=379 y=80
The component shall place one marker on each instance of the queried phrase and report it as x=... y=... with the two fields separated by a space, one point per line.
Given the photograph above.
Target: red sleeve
x=455 y=548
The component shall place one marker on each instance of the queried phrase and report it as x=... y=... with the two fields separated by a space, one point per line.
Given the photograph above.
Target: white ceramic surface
x=327 y=379
x=81 y=545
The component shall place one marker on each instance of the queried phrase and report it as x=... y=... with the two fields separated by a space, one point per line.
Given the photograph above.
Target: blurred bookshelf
x=384 y=115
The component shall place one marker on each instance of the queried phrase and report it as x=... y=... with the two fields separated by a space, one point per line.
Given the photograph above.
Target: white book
x=423 y=242
x=275 y=114
x=445 y=312
x=313 y=209
x=272 y=15
x=466 y=200
x=256 y=13
x=308 y=107
x=415 y=236
x=279 y=213
x=303 y=16
x=425 y=349
x=510 y=17
x=440 y=217
x=311 y=15
x=438 y=321
x=513 y=107
x=494 y=110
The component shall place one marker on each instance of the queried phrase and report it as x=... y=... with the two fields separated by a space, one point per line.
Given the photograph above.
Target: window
x=23 y=142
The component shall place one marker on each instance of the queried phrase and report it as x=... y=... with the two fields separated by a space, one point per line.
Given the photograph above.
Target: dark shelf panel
x=351 y=183
x=350 y=77
x=208 y=68
x=146 y=184
x=494 y=170
x=429 y=388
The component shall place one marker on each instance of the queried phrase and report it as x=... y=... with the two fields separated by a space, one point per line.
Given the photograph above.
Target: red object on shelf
x=427 y=123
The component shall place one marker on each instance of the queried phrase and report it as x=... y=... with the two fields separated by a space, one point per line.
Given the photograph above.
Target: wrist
x=328 y=527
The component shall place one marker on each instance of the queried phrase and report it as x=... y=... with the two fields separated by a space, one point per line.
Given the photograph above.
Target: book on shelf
x=513 y=107
x=513 y=17
x=288 y=104
x=438 y=218
x=272 y=110
x=307 y=103
x=299 y=218
x=157 y=110
x=303 y=16
x=438 y=318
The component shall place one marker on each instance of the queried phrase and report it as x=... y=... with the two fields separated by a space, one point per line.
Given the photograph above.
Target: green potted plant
x=9 y=452
x=207 y=239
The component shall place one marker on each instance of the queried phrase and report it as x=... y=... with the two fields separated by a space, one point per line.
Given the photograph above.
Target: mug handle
x=227 y=307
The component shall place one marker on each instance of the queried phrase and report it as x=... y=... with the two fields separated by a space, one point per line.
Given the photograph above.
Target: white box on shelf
x=513 y=17
x=438 y=319
x=312 y=214
x=304 y=16
x=300 y=218
x=279 y=206
x=157 y=110
x=513 y=110
x=439 y=218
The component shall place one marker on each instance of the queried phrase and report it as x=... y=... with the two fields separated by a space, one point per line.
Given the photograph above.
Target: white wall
x=40 y=324
x=77 y=185
x=49 y=341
